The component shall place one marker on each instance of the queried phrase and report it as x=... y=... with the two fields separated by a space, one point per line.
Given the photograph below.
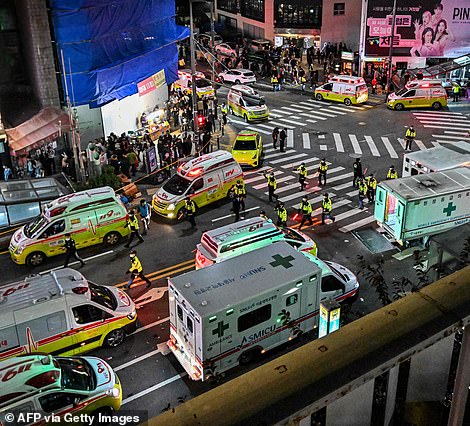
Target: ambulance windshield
x=202 y=82
x=253 y=100
x=76 y=374
x=103 y=296
x=35 y=226
x=245 y=145
x=177 y=185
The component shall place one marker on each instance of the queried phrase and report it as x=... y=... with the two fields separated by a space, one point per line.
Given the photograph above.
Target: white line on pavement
x=277 y=123
x=254 y=179
x=290 y=109
x=292 y=157
x=287 y=120
x=135 y=360
x=233 y=214
x=461 y=138
x=443 y=123
x=311 y=114
x=290 y=139
x=306 y=140
x=436 y=113
x=450 y=118
x=438 y=127
x=420 y=145
x=321 y=136
x=297 y=163
x=456 y=133
x=355 y=144
x=86 y=259
x=152 y=324
x=389 y=147
x=302 y=106
x=348 y=213
x=372 y=146
x=342 y=186
x=326 y=114
x=337 y=110
x=357 y=224
x=340 y=177
x=338 y=142
x=258 y=171
x=257 y=129
x=277 y=154
x=266 y=126
x=311 y=121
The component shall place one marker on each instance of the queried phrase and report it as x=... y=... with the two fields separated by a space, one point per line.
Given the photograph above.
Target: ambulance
x=238 y=309
x=42 y=387
x=203 y=86
x=244 y=236
x=246 y=102
x=205 y=179
x=61 y=313
x=344 y=88
x=419 y=94
x=92 y=217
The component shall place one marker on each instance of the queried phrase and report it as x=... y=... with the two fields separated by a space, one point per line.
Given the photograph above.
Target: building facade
x=341 y=22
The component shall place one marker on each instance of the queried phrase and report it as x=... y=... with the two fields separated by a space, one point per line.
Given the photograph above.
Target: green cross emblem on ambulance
x=449 y=209
x=221 y=327
x=282 y=261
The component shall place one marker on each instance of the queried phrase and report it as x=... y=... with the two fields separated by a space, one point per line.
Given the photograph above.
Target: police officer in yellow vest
x=224 y=111
x=371 y=187
x=327 y=207
x=322 y=169
x=362 y=192
x=305 y=209
x=302 y=171
x=190 y=210
x=133 y=224
x=136 y=270
x=409 y=136
x=272 y=185
x=281 y=215
x=274 y=82
x=392 y=173
x=239 y=192
x=456 y=92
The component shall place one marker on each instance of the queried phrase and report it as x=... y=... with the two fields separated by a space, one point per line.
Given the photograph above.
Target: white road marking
x=336 y=204
x=276 y=154
x=340 y=177
x=437 y=113
x=155 y=293
x=302 y=106
x=276 y=123
x=460 y=138
x=355 y=144
x=310 y=114
x=450 y=118
x=287 y=120
x=233 y=214
x=252 y=172
x=289 y=109
x=315 y=200
x=152 y=324
x=290 y=138
x=389 y=147
x=372 y=146
x=292 y=157
x=420 y=145
x=357 y=224
x=443 y=123
x=321 y=113
x=266 y=126
x=297 y=163
x=438 y=127
x=86 y=259
x=321 y=136
x=257 y=129
x=311 y=121
x=337 y=110
x=338 y=142
x=323 y=148
x=275 y=115
x=456 y=133
x=136 y=360
x=301 y=194
x=306 y=140
x=278 y=111
x=348 y=213
x=254 y=179
x=342 y=186
x=314 y=101
x=310 y=105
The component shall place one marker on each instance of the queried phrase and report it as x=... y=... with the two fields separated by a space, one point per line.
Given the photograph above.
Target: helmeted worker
x=410 y=135
x=327 y=207
x=357 y=170
x=239 y=192
x=136 y=270
x=302 y=171
x=322 y=169
x=371 y=187
x=190 y=211
x=362 y=192
x=133 y=224
x=272 y=185
x=392 y=173
x=305 y=209
x=281 y=215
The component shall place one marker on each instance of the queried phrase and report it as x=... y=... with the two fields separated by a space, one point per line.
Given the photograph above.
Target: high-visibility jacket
x=274 y=80
x=410 y=133
x=302 y=170
x=272 y=182
x=323 y=167
x=239 y=191
x=326 y=204
x=224 y=109
x=305 y=207
x=456 y=89
x=303 y=80
x=133 y=223
x=190 y=206
x=392 y=174
x=362 y=189
x=282 y=214
x=371 y=183
x=136 y=266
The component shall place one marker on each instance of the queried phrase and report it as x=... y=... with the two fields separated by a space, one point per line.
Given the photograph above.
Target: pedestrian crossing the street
x=454 y=126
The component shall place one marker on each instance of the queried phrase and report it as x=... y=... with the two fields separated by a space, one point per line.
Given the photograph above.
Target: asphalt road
x=151 y=377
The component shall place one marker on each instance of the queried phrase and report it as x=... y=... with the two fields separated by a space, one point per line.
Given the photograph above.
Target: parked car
x=237 y=76
x=205 y=39
x=262 y=56
x=257 y=45
x=227 y=49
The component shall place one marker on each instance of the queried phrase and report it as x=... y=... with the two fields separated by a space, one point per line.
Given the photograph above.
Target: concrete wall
x=342 y=28
x=36 y=40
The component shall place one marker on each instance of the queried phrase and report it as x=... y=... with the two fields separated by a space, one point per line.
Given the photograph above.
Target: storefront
x=349 y=63
x=301 y=38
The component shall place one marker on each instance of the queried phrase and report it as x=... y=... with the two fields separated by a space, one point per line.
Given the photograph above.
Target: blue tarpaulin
x=110 y=46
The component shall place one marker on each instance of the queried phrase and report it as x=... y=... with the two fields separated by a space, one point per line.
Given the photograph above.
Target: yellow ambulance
x=92 y=217
x=205 y=179
x=204 y=88
x=246 y=102
x=41 y=389
x=62 y=313
x=427 y=93
x=344 y=88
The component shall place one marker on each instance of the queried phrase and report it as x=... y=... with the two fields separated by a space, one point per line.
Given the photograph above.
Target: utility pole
x=212 y=39
x=390 y=50
x=193 y=71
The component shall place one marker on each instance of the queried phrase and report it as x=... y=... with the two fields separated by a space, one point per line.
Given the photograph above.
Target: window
x=56 y=322
x=297 y=14
x=253 y=31
x=253 y=9
x=22 y=212
x=292 y=300
x=331 y=283
x=189 y=324
x=228 y=5
x=294 y=244
x=328 y=86
x=42 y=327
x=253 y=318
x=57 y=401
x=338 y=9
x=198 y=184
x=410 y=94
x=54 y=229
x=180 y=312
x=85 y=314
x=3 y=216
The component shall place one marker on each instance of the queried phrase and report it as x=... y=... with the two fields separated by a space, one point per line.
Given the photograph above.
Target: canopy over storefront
x=44 y=127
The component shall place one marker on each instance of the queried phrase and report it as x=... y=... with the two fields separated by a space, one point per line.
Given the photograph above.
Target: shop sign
x=347 y=56
x=278 y=41
x=151 y=83
x=423 y=28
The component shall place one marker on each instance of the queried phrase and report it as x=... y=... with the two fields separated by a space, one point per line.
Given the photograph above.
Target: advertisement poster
x=439 y=28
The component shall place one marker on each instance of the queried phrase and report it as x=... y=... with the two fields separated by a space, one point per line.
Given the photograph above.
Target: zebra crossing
x=454 y=126
x=299 y=115
x=339 y=187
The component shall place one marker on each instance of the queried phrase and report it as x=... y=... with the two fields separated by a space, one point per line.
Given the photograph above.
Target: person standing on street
x=357 y=170
x=327 y=207
x=71 y=251
x=392 y=173
x=236 y=207
x=371 y=187
x=455 y=92
x=7 y=173
x=305 y=210
x=322 y=169
x=275 y=135
x=274 y=82
x=224 y=111
x=281 y=215
x=190 y=211
x=282 y=139
x=362 y=192
x=302 y=171
x=239 y=192
x=272 y=185
x=133 y=224
x=409 y=136
x=145 y=212
x=136 y=270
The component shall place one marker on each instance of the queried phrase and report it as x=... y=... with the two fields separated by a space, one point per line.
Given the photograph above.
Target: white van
x=205 y=179
x=62 y=313
x=244 y=236
x=204 y=88
x=344 y=88
x=246 y=102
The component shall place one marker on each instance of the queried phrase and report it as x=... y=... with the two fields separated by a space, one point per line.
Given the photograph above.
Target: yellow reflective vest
x=410 y=133
x=392 y=174
x=371 y=183
x=190 y=206
x=133 y=223
x=306 y=207
x=282 y=214
x=272 y=181
x=136 y=266
x=326 y=205
x=302 y=170
x=323 y=167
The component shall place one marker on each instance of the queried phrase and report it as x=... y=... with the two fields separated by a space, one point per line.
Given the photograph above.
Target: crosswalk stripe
x=451 y=118
x=338 y=109
x=298 y=195
x=354 y=193
x=282 y=160
x=315 y=114
x=420 y=145
x=357 y=224
x=310 y=105
x=266 y=126
x=311 y=121
x=348 y=213
x=437 y=113
x=276 y=123
x=342 y=186
x=302 y=106
x=355 y=144
x=456 y=133
x=234 y=120
x=389 y=147
x=306 y=140
x=338 y=142
x=275 y=115
x=277 y=154
x=436 y=144
x=314 y=101
x=437 y=127
x=287 y=187
x=260 y=170
x=257 y=129
x=443 y=123
x=290 y=139
x=340 y=177
x=254 y=179
x=323 y=148
x=264 y=185
x=402 y=142
x=315 y=200
x=460 y=138
x=321 y=136
x=279 y=111
x=298 y=163
x=309 y=114
x=267 y=150
x=336 y=204
x=290 y=109
x=287 y=120
x=372 y=146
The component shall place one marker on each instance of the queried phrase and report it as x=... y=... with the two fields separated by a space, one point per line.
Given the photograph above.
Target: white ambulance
x=229 y=313
x=247 y=103
x=204 y=88
x=344 y=88
x=205 y=179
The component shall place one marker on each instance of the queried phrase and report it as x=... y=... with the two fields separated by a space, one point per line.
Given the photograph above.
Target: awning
x=44 y=127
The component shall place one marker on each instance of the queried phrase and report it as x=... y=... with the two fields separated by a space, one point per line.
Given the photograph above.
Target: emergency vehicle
x=246 y=102
x=344 y=88
x=92 y=217
x=227 y=314
x=419 y=94
x=205 y=179
x=244 y=236
x=62 y=313
x=42 y=386
x=445 y=157
x=247 y=148
x=203 y=86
